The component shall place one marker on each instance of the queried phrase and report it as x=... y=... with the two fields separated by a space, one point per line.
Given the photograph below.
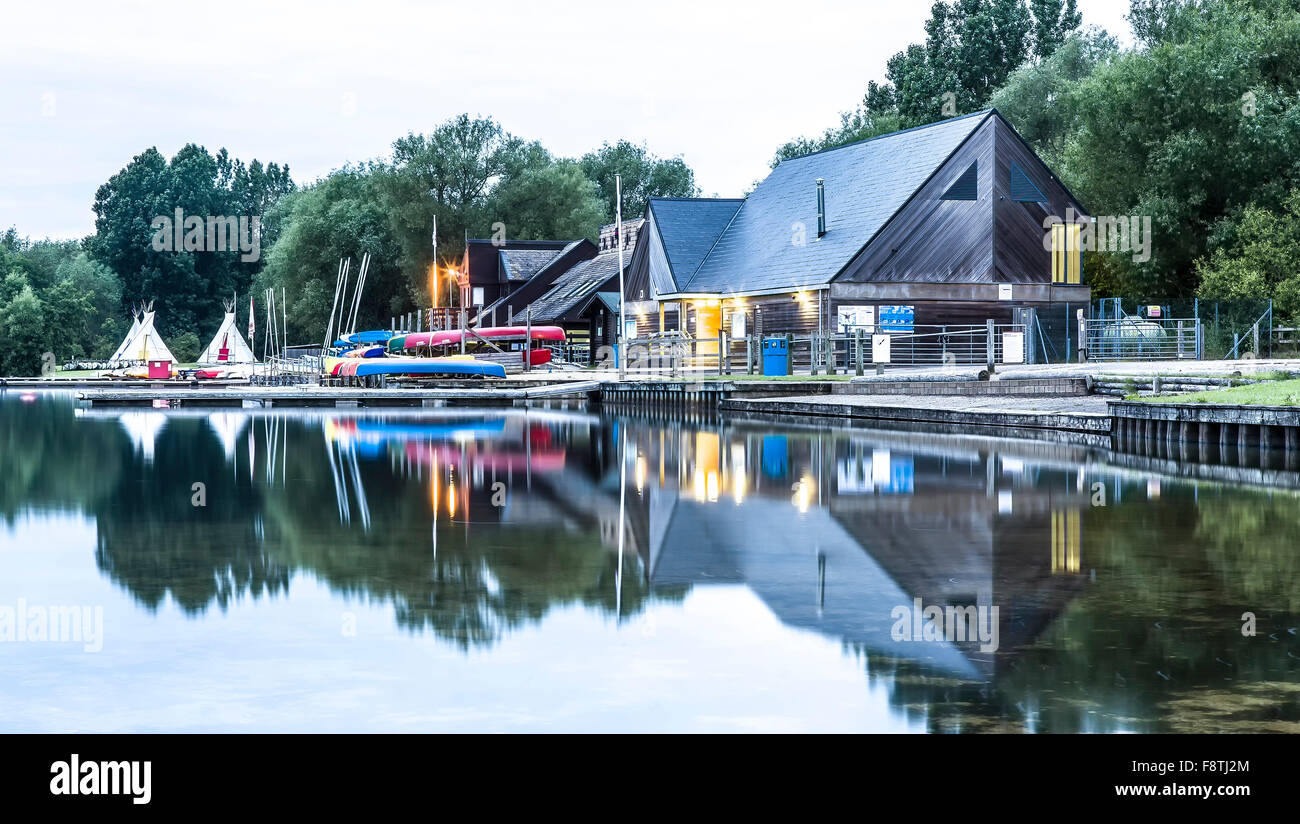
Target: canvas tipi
x=228 y=345
x=144 y=343
x=120 y=354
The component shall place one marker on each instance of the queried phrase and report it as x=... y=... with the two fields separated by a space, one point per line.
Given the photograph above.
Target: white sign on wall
x=738 y=324
x=1004 y=291
x=1013 y=347
x=880 y=348
x=853 y=318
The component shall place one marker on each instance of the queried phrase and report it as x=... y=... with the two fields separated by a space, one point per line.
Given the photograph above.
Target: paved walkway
x=1072 y=404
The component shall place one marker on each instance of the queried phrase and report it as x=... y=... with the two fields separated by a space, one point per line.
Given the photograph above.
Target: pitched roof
x=557 y=260
x=866 y=183
x=519 y=265
x=573 y=288
x=689 y=226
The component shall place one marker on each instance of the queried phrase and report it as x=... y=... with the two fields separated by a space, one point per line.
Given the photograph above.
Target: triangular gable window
x=1023 y=189
x=965 y=186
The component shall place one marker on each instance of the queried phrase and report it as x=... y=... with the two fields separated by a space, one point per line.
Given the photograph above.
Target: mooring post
x=858 y=354
x=528 y=337
x=991 y=352
x=722 y=351
x=830 y=353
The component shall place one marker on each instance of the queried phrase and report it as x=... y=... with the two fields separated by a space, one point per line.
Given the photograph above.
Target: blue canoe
x=374 y=336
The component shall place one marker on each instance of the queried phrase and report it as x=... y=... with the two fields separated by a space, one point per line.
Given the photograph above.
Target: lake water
x=556 y=570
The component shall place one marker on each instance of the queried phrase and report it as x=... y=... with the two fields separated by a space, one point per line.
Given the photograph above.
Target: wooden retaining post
x=990 y=350
x=857 y=351
x=830 y=354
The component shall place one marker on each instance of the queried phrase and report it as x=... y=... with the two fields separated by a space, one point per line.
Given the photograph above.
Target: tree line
x=1196 y=125
x=73 y=298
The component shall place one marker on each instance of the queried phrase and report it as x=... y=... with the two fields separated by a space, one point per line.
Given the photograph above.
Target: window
x=1023 y=189
x=964 y=187
x=1065 y=253
x=477 y=300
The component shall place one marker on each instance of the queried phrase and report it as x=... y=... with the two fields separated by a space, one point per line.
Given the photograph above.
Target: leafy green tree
x=1054 y=20
x=22 y=325
x=343 y=216
x=1258 y=259
x=69 y=312
x=449 y=173
x=1189 y=130
x=188 y=286
x=1040 y=98
x=186 y=347
x=555 y=201
x=644 y=176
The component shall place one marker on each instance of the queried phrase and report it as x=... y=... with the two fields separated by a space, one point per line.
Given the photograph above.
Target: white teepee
x=227 y=345
x=144 y=343
x=120 y=354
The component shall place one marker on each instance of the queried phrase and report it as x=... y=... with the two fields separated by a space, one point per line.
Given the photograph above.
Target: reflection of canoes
x=539 y=460
x=403 y=431
x=431 y=367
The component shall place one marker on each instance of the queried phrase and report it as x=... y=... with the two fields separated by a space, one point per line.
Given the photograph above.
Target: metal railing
x=823 y=352
x=1132 y=338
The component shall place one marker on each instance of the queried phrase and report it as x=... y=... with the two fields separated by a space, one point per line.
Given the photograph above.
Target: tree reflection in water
x=472 y=524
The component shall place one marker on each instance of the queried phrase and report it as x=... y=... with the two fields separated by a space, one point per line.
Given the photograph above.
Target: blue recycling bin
x=776 y=356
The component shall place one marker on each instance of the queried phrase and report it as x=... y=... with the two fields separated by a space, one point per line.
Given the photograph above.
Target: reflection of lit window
x=711 y=486
x=803 y=493
x=640 y=473
x=1065 y=541
x=699 y=485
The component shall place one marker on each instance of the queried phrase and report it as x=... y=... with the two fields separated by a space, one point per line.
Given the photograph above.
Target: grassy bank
x=1276 y=393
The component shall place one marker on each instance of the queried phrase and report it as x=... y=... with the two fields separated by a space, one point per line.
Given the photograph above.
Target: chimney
x=821 y=207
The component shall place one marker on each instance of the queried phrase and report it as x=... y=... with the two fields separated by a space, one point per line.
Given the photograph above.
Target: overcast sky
x=88 y=85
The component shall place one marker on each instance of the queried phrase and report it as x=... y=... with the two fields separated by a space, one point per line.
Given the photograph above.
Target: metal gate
x=1134 y=338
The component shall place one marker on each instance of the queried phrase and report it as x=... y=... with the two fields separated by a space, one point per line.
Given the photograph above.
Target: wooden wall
x=934 y=240
x=1018 y=252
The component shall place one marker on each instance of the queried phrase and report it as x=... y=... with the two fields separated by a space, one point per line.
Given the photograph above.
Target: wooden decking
x=308 y=396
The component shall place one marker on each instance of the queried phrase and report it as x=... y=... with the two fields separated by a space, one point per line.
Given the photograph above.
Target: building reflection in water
x=472 y=522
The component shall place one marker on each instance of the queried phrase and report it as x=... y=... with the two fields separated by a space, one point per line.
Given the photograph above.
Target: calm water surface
x=458 y=570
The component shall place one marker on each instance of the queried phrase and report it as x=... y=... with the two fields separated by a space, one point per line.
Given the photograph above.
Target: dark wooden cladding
x=636 y=272
x=989 y=240
x=1018 y=251
x=481 y=263
x=937 y=240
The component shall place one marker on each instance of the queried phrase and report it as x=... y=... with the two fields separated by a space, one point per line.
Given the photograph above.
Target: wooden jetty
x=308 y=396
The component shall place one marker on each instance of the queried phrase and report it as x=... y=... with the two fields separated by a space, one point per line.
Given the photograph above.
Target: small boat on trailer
x=506 y=345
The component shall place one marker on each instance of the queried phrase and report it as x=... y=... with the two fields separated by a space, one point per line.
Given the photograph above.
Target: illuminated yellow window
x=1066 y=262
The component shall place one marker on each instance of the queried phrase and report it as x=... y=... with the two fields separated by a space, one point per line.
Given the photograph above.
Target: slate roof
x=519 y=265
x=574 y=288
x=689 y=226
x=506 y=300
x=866 y=184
